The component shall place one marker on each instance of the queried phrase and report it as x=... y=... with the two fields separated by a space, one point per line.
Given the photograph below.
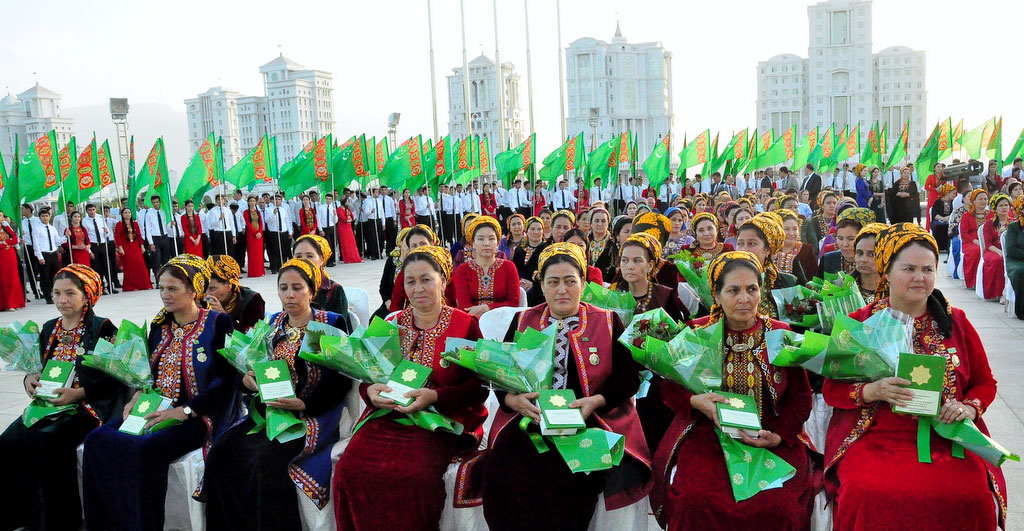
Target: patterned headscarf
x=319 y=242
x=648 y=242
x=508 y=222
x=871 y=230
x=701 y=217
x=225 y=267
x=531 y=220
x=972 y=196
x=889 y=242
x=312 y=273
x=431 y=236
x=771 y=228
x=1018 y=208
x=91 y=282
x=862 y=216
x=438 y=255
x=482 y=221
x=567 y=214
x=562 y=248
x=945 y=189
x=467 y=219
x=715 y=269
x=196 y=270
x=786 y=213
x=996 y=198
x=653 y=223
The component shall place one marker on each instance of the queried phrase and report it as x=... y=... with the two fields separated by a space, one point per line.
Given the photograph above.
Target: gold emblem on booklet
x=408 y=375
x=558 y=401
x=271 y=373
x=920 y=375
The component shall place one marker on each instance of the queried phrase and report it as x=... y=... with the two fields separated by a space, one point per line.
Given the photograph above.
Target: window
x=840 y=27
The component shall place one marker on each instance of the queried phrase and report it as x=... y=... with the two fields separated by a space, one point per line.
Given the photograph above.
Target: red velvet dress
x=400 y=302
x=700 y=496
x=582 y=200
x=129 y=244
x=538 y=203
x=931 y=185
x=307 y=221
x=496 y=287
x=77 y=236
x=871 y=466
x=391 y=475
x=349 y=249
x=12 y=292
x=406 y=212
x=992 y=279
x=970 y=251
x=192 y=227
x=254 y=242
x=488 y=205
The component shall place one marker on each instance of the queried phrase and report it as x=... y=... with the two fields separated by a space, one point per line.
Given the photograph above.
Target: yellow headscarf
x=196 y=270
x=318 y=242
x=945 y=189
x=311 y=272
x=701 y=217
x=971 y=197
x=785 y=213
x=648 y=242
x=565 y=214
x=715 y=269
x=889 y=242
x=508 y=222
x=870 y=230
x=223 y=266
x=481 y=221
x=861 y=215
x=562 y=248
x=1018 y=209
x=996 y=198
x=771 y=228
x=92 y=284
x=438 y=255
x=655 y=224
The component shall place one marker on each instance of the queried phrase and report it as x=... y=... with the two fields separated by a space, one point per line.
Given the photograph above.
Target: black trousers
x=112 y=260
x=100 y=261
x=449 y=226
x=390 y=234
x=374 y=237
x=29 y=270
x=164 y=250
x=220 y=242
x=525 y=211
x=238 y=249
x=206 y=245
x=279 y=249
x=423 y=220
x=330 y=234
x=48 y=270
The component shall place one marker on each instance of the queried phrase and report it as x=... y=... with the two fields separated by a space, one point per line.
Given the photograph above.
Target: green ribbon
x=38 y=409
x=536 y=438
x=962 y=435
x=924 y=440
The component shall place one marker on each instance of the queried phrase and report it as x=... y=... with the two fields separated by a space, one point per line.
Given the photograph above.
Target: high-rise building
x=622 y=86
x=296 y=107
x=483 y=103
x=30 y=115
x=842 y=81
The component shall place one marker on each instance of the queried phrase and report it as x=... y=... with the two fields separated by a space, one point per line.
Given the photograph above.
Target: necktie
x=49 y=238
x=565 y=202
x=31 y=237
x=160 y=219
x=234 y=221
x=96 y=227
x=280 y=225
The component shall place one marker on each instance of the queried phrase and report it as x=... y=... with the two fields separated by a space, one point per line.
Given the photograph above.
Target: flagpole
x=67 y=217
x=500 y=92
x=561 y=68
x=433 y=87
x=529 y=64
x=465 y=71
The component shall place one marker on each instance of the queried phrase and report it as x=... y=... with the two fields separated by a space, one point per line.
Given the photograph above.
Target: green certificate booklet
x=407 y=377
x=147 y=403
x=738 y=415
x=926 y=375
x=273 y=379
x=55 y=375
x=556 y=417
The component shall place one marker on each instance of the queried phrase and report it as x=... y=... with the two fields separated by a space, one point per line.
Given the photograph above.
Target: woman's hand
x=892 y=390
x=765 y=439
x=249 y=381
x=373 y=393
x=478 y=310
x=214 y=303
x=705 y=403
x=423 y=398
x=526 y=284
x=67 y=396
x=131 y=403
x=120 y=250
x=522 y=403
x=588 y=404
x=156 y=417
x=955 y=411
x=259 y=235
x=31 y=383
x=291 y=404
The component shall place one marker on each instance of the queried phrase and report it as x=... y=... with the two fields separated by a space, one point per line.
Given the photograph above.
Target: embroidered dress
x=495 y=286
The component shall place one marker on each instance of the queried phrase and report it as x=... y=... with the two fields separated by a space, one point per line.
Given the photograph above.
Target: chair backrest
x=1008 y=291
x=522 y=296
x=494 y=323
x=354 y=319
x=359 y=302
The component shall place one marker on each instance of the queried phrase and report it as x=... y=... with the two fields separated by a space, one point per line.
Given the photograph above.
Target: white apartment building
x=483 y=103
x=30 y=115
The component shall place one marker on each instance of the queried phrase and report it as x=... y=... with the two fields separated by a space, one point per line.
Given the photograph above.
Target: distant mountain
x=146 y=121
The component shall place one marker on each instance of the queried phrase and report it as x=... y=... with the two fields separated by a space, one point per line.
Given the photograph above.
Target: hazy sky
x=164 y=52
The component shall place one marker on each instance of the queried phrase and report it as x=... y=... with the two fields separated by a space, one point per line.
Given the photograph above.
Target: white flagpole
x=433 y=84
x=465 y=71
x=500 y=92
x=529 y=64
x=561 y=68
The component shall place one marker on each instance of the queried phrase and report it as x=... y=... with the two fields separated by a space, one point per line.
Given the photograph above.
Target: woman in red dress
x=538 y=199
x=12 y=293
x=78 y=240
x=992 y=275
x=484 y=281
x=254 y=239
x=488 y=205
x=307 y=218
x=693 y=489
x=867 y=441
x=931 y=185
x=970 y=235
x=582 y=197
x=349 y=249
x=406 y=210
x=705 y=228
x=129 y=246
x=388 y=449
x=192 y=228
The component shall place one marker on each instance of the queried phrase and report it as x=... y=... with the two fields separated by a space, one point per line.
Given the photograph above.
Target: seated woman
x=393 y=293
x=699 y=494
x=739 y=217
x=970 y=235
x=124 y=477
x=602 y=252
x=523 y=488
x=526 y=253
x=331 y=296
x=250 y=480
x=578 y=237
x=561 y=222
x=942 y=209
x=794 y=251
x=867 y=437
x=866 y=273
x=461 y=243
x=225 y=294
x=1014 y=256
x=707 y=246
x=762 y=236
x=992 y=279
x=848 y=224
x=516 y=225
x=40 y=470
x=485 y=281
x=622 y=228
x=659 y=226
x=816 y=228
x=678 y=238
x=903 y=199
x=389 y=453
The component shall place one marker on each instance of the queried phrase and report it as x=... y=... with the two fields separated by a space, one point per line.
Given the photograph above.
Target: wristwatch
x=187 y=411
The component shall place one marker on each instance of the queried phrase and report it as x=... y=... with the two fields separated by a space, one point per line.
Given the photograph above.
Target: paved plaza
x=1000 y=331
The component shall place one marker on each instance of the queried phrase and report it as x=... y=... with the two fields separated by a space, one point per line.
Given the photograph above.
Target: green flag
x=404 y=168
x=351 y=162
x=735 y=149
x=437 y=163
x=509 y=163
x=697 y=151
x=154 y=173
x=851 y=145
x=803 y=151
x=781 y=151
x=38 y=168
x=297 y=174
x=872 y=155
x=994 y=144
x=201 y=172
x=568 y=157
x=899 y=149
x=1017 y=150
x=929 y=155
x=87 y=180
x=657 y=164
x=257 y=166
x=66 y=158
x=974 y=140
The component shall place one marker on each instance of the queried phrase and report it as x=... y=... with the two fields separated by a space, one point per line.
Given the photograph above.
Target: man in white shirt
x=100 y=243
x=279 y=241
x=471 y=201
x=237 y=223
x=598 y=193
x=157 y=237
x=703 y=184
x=236 y=199
x=222 y=233
x=849 y=180
x=1017 y=163
x=422 y=202
x=563 y=198
x=46 y=244
x=447 y=217
x=741 y=184
x=28 y=224
x=664 y=195
x=518 y=199
x=390 y=218
x=373 y=229
x=327 y=220
x=623 y=193
x=60 y=221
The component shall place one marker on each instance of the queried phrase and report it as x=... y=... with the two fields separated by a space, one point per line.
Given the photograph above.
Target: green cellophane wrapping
x=649 y=324
x=19 y=347
x=694 y=360
x=620 y=302
x=698 y=280
x=590 y=450
x=839 y=299
x=243 y=350
x=793 y=295
x=126 y=359
x=523 y=366
x=965 y=434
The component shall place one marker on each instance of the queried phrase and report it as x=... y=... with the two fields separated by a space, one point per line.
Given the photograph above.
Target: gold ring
x=961 y=410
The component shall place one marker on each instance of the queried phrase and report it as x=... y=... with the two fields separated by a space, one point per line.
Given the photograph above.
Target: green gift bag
x=39 y=409
x=839 y=300
x=590 y=450
x=126 y=359
x=243 y=350
x=620 y=302
x=752 y=470
x=19 y=347
x=965 y=434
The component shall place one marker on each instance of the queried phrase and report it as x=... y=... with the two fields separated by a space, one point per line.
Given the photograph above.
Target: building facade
x=30 y=115
x=296 y=107
x=623 y=86
x=841 y=81
x=483 y=103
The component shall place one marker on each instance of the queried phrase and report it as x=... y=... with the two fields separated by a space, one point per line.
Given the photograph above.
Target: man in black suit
x=811 y=183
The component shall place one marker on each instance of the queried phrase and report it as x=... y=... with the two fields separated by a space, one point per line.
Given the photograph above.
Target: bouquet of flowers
x=126 y=359
x=692 y=261
x=522 y=366
x=19 y=347
x=654 y=323
x=839 y=299
x=620 y=302
x=798 y=306
x=697 y=278
x=817 y=283
x=243 y=350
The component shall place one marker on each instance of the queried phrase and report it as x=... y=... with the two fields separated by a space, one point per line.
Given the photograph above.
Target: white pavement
x=1001 y=333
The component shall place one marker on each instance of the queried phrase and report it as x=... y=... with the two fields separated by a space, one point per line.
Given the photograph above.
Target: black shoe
x=113 y=292
x=49 y=301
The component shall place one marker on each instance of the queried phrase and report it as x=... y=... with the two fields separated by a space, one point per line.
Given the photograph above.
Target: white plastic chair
x=979 y=285
x=359 y=302
x=522 y=296
x=494 y=323
x=1008 y=292
x=354 y=319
